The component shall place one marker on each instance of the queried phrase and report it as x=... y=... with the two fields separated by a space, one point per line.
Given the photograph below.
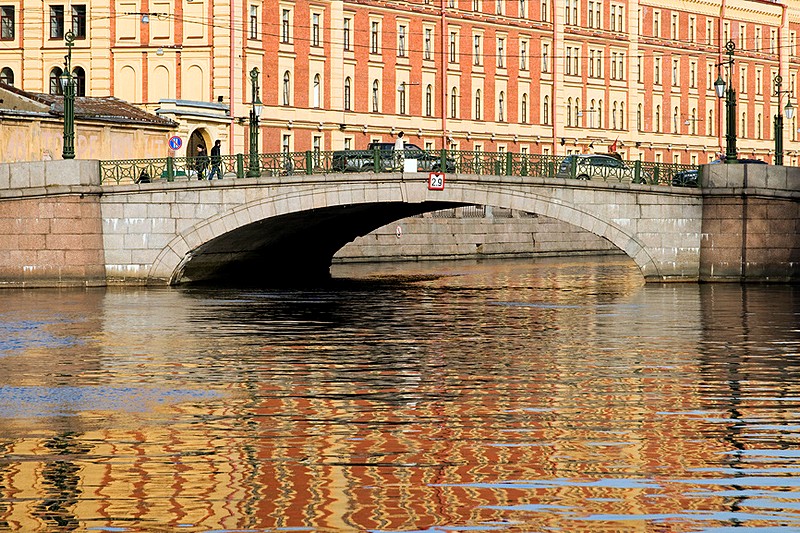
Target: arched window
x=657 y=129
x=758 y=126
x=599 y=113
x=524 y=109
x=55 y=85
x=639 y=117
x=347 y=94
x=317 y=90
x=710 y=127
x=375 y=96
x=7 y=76
x=744 y=124
x=80 y=81
x=478 y=104
x=576 y=110
x=428 y=101
x=569 y=112
x=287 y=88
x=546 y=110
x=675 y=120
x=454 y=103
x=501 y=107
x=622 y=115
x=614 y=116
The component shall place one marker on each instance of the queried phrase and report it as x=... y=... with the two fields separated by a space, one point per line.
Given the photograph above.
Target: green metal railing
x=239 y=166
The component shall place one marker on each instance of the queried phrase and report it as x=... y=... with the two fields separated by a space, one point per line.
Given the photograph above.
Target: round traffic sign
x=175 y=142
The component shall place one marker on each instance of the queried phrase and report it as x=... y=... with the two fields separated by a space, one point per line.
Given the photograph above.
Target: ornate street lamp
x=788 y=111
x=730 y=103
x=68 y=90
x=255 y=113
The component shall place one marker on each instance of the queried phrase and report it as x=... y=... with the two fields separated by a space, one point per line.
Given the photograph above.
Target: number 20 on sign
x=436 y=181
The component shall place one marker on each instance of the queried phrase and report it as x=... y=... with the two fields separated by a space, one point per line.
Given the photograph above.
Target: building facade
x=545 y=76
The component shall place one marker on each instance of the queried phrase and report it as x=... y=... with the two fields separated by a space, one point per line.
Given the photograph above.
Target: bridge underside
x=291 y=248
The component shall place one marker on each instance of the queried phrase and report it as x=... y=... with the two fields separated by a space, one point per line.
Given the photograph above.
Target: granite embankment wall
x=479 y=232
x=50 y=225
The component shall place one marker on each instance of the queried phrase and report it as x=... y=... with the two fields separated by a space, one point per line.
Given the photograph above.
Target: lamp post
x=255 y=113
x=68 y=90
x=730 y=103
x=788 y=111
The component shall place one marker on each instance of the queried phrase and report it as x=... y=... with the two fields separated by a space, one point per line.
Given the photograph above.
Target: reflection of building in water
x=365 y=437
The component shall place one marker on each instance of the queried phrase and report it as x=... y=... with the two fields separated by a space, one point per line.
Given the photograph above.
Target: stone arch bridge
x=742 y=225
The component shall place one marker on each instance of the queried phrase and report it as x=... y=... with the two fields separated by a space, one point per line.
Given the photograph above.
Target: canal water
x=516 y=396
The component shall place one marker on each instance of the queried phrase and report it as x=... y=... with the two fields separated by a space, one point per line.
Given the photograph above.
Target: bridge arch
x=292 y=232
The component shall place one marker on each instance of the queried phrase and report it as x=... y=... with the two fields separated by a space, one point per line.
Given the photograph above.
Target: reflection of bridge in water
x=739 y=225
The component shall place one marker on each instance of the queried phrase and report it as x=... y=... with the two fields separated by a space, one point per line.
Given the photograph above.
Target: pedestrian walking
x=201 y=161
x=216 y=160
x=399 y=150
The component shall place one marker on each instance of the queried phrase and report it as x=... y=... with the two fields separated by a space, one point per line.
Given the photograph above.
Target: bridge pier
x=751 y=223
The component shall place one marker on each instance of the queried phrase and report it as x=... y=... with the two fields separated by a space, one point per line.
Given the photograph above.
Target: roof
x=105 y=108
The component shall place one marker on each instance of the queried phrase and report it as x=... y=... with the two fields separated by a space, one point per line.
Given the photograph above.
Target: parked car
x=595 y=166
x=364 y=160
x=685 y=178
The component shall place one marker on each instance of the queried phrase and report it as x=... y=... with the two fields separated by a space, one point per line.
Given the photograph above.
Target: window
x=346 y=34
x=286 y=88
x=454 y=103
x=709 y=31
x=639 y=117
x=656 y=23
x=743 y=80
x=773 y=42
x=675 y=128
x=657 y=128
x=79 y=21
x=375 y=96
x=546 y=110
x=374 y=36
x=315 y=29
x=428 y=43
x=56 y=23
x=571 y=12
x=590 y=20
x=499 y=7
x=523 y=55
x=675 y=80
x=501 y=107
x=55 y=86
x=674 y=28
x=478 y=104
x=569 y=112
x=691 y=29
x=286 y=25
x=317 y=94
x=80 y=81
x=545 y=57
x=523 y=9
x=401 y=41
x=614 y=116
x=544 y=11
x=758 y=81
x=401 y=93
x=743 y=37
x=639 y=69
x=657 y=70
x=476 y=39
x=617 y=18
x=476 y=5
x=501 y=52
x=710 y=124
x=7 y=76
x=7 y=23
x=523 y=115
x=254 y=22
x=453 y=47
x=428 y=101
x=693 y=74
x=347 y=94
x=286 y=142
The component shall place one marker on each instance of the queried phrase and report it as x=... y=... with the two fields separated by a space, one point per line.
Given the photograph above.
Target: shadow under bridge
x=291 y=247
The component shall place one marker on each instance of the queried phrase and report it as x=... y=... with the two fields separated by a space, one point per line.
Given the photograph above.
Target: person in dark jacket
x=201 y=162
x=216 y=160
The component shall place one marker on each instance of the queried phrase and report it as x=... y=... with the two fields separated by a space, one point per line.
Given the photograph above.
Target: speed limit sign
x=436 y=181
